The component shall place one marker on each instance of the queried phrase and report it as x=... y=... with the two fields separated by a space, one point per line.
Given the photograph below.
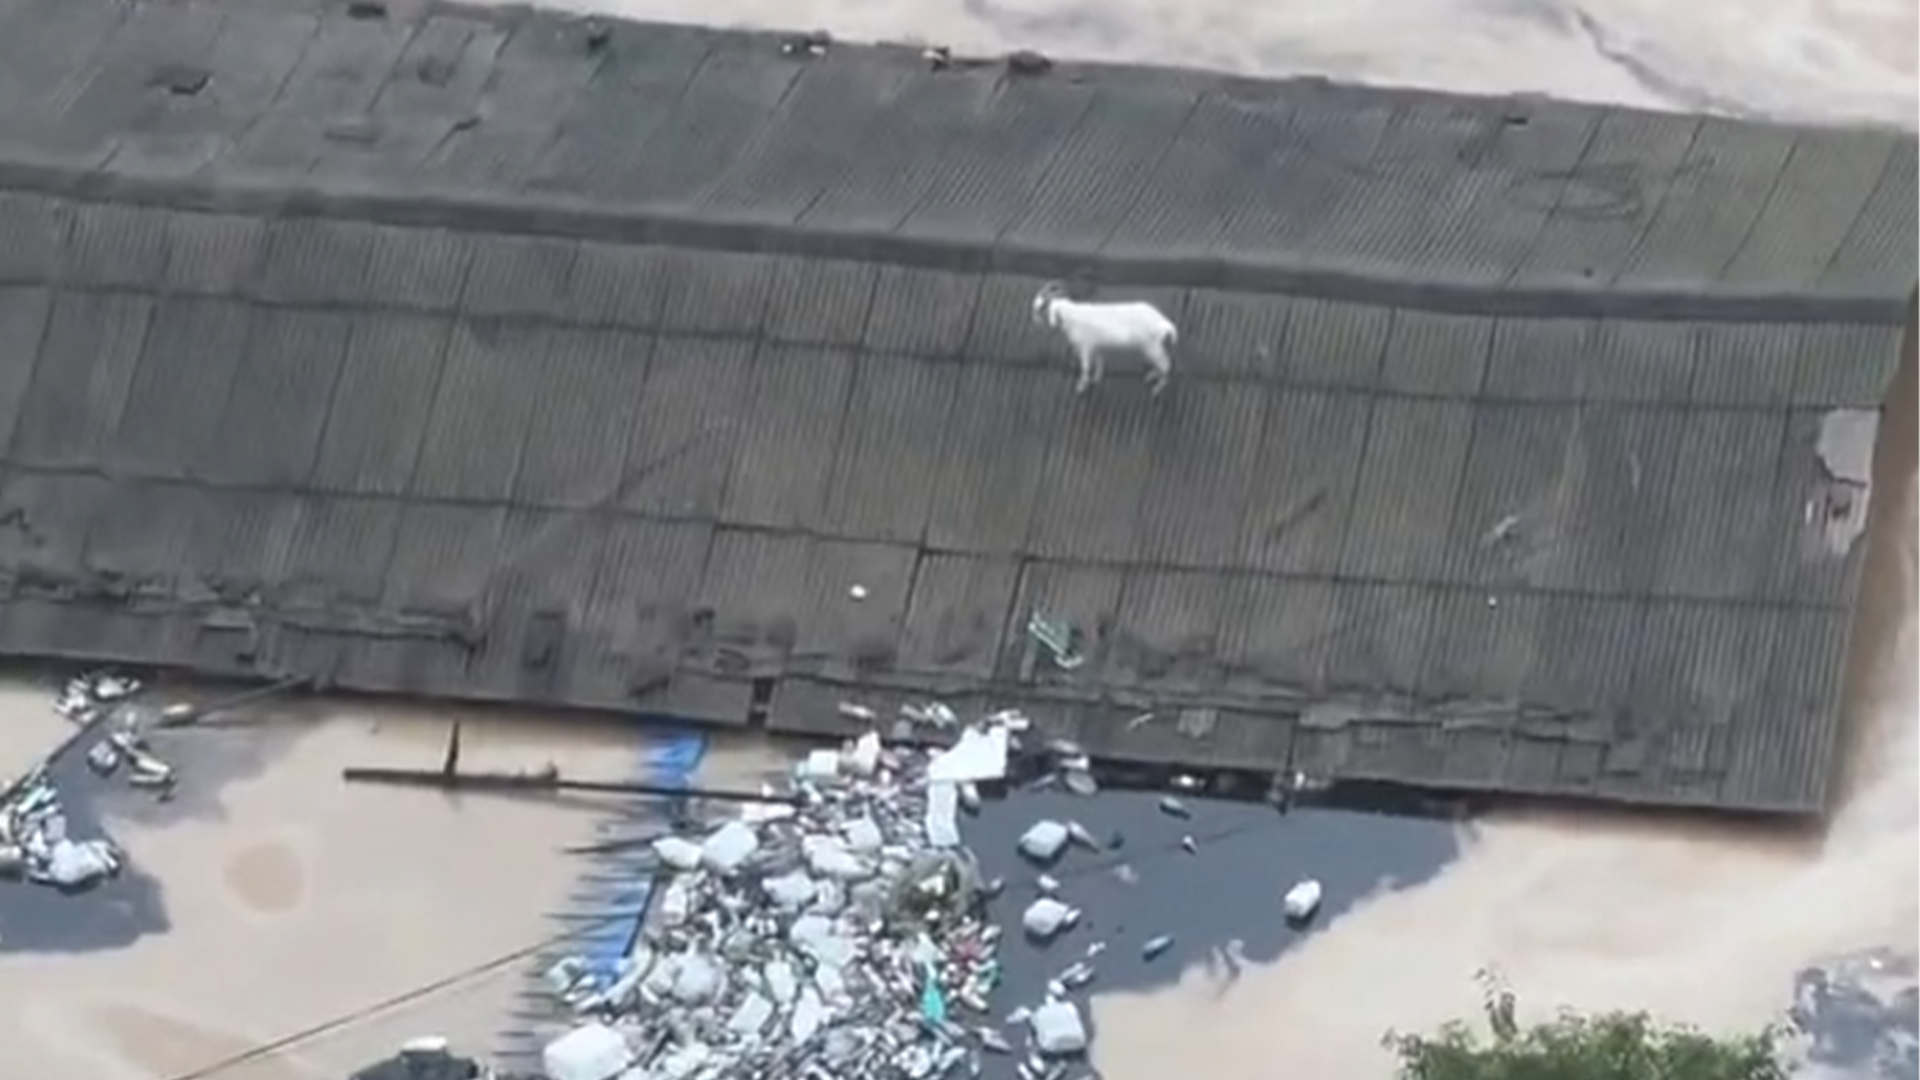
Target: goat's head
x=1051 y=291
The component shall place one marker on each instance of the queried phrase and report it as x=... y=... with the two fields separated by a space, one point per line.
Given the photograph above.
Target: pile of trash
x=35 y=840
x=838 y=929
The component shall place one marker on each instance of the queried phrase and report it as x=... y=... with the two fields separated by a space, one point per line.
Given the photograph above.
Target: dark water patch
x=110 y=915
x=1220 y=902
x=115 y=913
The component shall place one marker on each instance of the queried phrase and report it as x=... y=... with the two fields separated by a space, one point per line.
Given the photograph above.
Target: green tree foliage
x=1609 y=1046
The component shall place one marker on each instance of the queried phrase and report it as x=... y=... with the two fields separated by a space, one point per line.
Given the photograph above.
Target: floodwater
x=290 y=902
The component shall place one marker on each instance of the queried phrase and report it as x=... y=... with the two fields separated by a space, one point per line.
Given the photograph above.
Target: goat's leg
x=1159 y=367
x=1085 y=358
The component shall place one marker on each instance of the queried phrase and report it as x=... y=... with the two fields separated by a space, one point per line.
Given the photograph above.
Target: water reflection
x=1220 y=902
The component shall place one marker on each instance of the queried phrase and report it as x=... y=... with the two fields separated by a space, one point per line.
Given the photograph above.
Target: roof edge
x=563 y=217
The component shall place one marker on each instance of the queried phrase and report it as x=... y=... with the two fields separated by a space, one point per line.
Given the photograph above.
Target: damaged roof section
x=1552 y=556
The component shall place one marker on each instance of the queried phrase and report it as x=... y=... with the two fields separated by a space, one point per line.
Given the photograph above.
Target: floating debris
x=35 y=844
x=1301 y=901
x=1045 y=840
x=1058 y=1030
x=1056 y=636
x=1173 y=807
x=1156 y=946
x=427 y=1058
x=848 y=938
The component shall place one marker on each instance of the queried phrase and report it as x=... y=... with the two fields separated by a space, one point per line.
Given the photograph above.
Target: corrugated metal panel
x=518 y=275
x=79 y=386
x=1409 y=481
x=1302 y=482
x=905 y=156
x=281 y=399
x=1089 y=500
x=810 y=134
x=1484 y=230
x=1722 y=541
x=716 y=115
x=340 y=549
x=248 y=535
x=1233 y=333
x=48 y=515
x=1599 y=209
x=846 y=635
x=588 y=387
x=1438 y=355
x=1848 y=366
x=214 y=254
x=535 y=602
x=33 y=238
x=750 y=603
x=1275 y=632
x=144 y=531
x=1089 y=194
x=480 y=411
x=642 y=74
x=1713 y=203
x=1419 y=151
x=619 y=285
x=922 y=313
x=1486 y=645
x=382 y=404
x=1329 y=344
x=1752 y=364
x=1816 y=198
x=987 y=494
x=1331 y=140
x=956 y=626
x=1202 y=447
x=116 y=245
x=1591 y=360
x=186 y=371
x=640 y=612
x=445 y=557
x=889 y=449
x=694 y=412
x=980 y=186
x=1169 y=631
x=719 y=294
x=316 y=260
x=1875 y=250
x=821 y=302
x=1379 y=635
x=418 y=268
x=23 y=325
x=1551 y=497
x=784 y=459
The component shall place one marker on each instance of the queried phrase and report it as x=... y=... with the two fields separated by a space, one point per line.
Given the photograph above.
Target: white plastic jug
x=1302 y=900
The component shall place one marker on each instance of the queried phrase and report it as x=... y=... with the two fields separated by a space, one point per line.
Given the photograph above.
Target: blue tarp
x=669 y=757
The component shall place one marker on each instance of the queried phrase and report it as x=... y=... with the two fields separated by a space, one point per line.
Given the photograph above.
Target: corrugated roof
x=481 y=361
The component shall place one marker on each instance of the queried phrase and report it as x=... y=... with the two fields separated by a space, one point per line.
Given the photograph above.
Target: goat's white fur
x=1095 y=329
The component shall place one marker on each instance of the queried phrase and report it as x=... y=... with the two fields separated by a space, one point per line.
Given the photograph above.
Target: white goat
x=1095 y=329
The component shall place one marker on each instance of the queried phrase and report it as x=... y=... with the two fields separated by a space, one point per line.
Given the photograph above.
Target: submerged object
x=1302 y=900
